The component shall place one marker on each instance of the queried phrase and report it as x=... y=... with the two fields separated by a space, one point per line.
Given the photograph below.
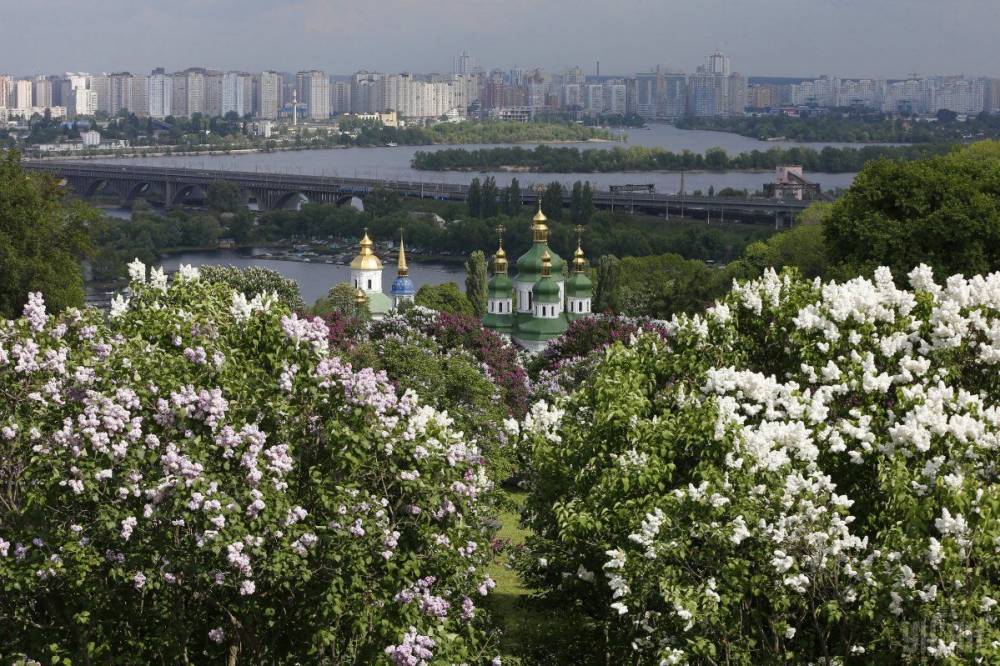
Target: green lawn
x=532 y=632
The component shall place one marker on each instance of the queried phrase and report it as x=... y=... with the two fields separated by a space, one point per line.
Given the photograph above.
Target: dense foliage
x=43 y=237
x=944 y=212
x=147 y=235
x=199 y=478
x=851 y=127
x=552 y=159
x=804 y=474
x=256 y=281
x=453 y=365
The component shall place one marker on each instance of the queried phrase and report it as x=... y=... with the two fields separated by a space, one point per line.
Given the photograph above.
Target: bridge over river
x=271 y=191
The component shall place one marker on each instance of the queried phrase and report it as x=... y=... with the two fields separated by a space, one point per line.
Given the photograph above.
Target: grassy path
x=533 y=634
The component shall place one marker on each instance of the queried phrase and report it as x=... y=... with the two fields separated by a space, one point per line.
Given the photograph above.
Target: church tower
x=579 y=288
x=500 y=293
x=402 y=289
x=366 y=276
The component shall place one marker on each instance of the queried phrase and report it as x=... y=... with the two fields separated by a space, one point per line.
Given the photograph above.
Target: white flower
x=217 y=635
x=186 y=272
x=158 y=279
x=782 y=562
x=119 y=306
x=584 y=575
x=740 y=531
x=620 y=607
x=137 y=271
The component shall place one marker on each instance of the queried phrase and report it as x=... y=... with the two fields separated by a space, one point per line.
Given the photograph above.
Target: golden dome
x=366 y=259
x=540 y=230
x=539 y=216
x=359 y=297
x=546 y=264
x=579 y=260
x=500 y=261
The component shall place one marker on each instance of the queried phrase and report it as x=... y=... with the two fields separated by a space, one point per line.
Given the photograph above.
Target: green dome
x=546 y=290
x=530 y=262
x=378 y=303
x=579 y=286
x=501 y=285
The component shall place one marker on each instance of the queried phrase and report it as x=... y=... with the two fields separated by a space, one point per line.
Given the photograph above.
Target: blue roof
x=403 y=286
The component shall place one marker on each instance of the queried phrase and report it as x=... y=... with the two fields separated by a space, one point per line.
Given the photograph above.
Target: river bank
x=315 y=278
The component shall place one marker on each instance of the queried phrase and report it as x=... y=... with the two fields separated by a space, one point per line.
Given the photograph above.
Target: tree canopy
x=43 y=238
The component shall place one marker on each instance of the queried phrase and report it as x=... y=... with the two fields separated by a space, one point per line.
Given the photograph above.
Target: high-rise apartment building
x=614 y=98
x=119 y=93
x=213 y=94
x=269 y=95
x=464 y=64
x=737 y=100
x=237 y=93
x=159 y=93
x=340 y=97
x=313 y=89
x=364 y=92
x=23 y=94
x=188 y=92
x=718 y=64
x=6 y=91
x=42 y=92
x=704 y=94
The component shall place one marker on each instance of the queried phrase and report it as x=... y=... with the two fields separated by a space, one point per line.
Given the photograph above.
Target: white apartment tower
x=159 y=91
x=314 y=91
x=23 y=92
x=268 y=95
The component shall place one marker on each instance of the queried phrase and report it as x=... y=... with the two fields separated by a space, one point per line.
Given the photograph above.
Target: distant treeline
x=553 y=159
x=853 y=127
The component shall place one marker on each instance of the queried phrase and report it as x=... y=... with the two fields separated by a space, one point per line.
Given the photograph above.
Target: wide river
x=394 y=163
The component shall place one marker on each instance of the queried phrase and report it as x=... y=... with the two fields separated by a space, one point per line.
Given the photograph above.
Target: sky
x=848 y=38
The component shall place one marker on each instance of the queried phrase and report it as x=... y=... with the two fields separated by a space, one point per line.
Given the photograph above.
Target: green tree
x=586 y=204
x=576 y=203
x=608 y=278
x=944 y=212
x=552 y=201
x=444 y=298
x=223 y=196
x=43 y=237
x=474 y=202
x=341 y=299
x=513 y=198
x=489 y=207
x=476 y=281
x=381 y=202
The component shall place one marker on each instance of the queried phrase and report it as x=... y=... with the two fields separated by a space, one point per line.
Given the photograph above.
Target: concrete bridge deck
x=270 y=191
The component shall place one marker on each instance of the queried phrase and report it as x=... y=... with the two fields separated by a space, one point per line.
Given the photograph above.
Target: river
x=393 y=163
x=314 y=279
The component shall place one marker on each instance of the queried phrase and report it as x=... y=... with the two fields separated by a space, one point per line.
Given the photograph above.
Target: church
x=539 y=302
x=366 y=278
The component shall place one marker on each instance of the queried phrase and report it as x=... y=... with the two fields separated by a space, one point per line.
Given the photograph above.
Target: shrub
x=805 y=474
x=198 y=478
x=256 y=281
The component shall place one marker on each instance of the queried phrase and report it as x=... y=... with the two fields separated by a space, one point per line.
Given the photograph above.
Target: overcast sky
x=879 y=38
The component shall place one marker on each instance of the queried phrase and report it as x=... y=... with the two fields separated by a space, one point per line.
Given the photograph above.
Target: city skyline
x=847 y=38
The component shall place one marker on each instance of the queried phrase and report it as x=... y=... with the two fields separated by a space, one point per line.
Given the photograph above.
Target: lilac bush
x=807 y=473
x=198 y=478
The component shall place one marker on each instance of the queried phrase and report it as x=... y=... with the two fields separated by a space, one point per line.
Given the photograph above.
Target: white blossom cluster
x=826 y=446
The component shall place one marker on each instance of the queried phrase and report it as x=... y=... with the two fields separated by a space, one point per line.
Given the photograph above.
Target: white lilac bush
x=807 y=473
x=199 y=479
